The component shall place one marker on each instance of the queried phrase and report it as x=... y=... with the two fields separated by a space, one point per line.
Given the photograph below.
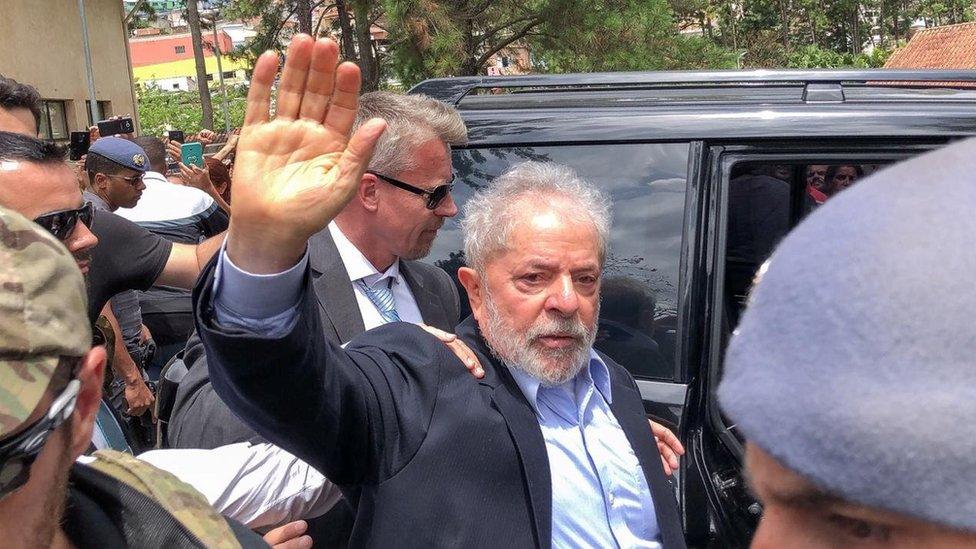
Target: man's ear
x=100 y=181
x=474 y=286
x=91 y=372
x=367 y=193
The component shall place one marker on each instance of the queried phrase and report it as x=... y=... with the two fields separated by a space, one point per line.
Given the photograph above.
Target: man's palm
x=294 y=173
x=290 y=170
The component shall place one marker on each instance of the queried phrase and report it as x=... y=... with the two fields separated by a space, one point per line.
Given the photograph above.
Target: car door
x=713 y=477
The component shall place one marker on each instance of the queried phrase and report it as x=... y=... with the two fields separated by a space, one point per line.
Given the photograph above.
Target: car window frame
x=723 y=159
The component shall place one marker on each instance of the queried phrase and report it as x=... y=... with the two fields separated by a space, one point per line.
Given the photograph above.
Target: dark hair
x=14 y=95
x=17 y=146
x=219 y=175
x=96 y=163
x=155 y=151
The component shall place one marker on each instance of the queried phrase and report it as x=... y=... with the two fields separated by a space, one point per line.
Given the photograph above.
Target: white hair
x=491 y=214
x=411 y=121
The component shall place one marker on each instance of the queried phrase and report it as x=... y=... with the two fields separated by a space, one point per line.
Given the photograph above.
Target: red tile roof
x=948 y=47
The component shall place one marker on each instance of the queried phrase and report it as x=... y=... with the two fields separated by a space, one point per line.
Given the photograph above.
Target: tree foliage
x=437 y=38
x=160 y=110
x=815 y=33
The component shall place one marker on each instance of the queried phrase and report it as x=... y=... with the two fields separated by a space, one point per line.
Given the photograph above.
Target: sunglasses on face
x=18 y=454
x=434 y=197
x=62 y=223
x=131 y=180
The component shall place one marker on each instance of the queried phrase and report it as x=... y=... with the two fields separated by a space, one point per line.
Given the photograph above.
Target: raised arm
x=268 y=357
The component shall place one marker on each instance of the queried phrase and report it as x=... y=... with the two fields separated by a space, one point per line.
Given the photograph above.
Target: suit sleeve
x=200 y=418
x=356 y=414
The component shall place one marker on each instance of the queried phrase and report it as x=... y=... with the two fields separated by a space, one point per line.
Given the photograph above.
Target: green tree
x=351 y=27
x=193 y=19
x=159 y=110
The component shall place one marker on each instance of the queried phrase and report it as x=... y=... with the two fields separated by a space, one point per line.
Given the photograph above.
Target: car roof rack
x=819 y=85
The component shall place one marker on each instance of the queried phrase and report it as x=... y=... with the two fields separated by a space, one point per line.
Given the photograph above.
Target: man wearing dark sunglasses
x=115 y=169
x=362 y=261
x=51 y=388
x=40 y=188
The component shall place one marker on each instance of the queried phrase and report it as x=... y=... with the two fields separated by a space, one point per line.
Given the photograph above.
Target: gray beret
x=855 y=361
x=123 y=152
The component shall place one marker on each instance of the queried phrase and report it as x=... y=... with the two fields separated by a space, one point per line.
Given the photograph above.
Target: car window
x=646 y=183
x=765 y=201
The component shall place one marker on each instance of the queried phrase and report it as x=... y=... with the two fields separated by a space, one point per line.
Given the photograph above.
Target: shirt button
x=612 y=501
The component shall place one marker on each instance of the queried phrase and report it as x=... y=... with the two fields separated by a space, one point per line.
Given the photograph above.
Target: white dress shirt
x=165 y=201
x=359 y=268
x=259 y=485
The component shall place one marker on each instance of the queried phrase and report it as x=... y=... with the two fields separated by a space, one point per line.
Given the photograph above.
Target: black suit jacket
x=428 y=455
x=200 y=419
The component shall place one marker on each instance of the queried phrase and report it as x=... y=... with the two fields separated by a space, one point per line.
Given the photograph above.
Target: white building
x=176 y=83
x=239 y=33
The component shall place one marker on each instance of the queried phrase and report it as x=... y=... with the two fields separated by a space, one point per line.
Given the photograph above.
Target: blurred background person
x=842 y=176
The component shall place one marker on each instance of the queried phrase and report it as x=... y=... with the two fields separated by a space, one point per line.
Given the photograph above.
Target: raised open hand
x=295 y=172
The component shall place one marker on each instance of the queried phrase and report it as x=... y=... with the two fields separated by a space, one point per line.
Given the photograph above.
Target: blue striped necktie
x=382 y=298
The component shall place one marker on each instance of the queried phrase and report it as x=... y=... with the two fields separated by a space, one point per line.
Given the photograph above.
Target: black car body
x=666 y=147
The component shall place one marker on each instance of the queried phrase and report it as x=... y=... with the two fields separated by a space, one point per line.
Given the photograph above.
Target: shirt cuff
x=255 y=296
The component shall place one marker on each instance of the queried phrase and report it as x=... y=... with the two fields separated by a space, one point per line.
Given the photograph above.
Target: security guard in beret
x=115 y=169
x=50 y=389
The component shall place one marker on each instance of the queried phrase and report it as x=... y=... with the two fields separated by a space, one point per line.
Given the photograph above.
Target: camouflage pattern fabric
x=43 y=315
x=181 y=500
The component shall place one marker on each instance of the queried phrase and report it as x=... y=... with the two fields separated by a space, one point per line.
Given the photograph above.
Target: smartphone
x=192 y=154
x=80 y=141
x=116 y=126
x=176 y=135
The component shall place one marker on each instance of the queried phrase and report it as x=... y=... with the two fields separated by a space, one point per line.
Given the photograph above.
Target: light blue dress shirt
x=260 y=304
x=600 y=497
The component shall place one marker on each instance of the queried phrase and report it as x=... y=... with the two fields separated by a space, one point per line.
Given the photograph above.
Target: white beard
x=520 y=348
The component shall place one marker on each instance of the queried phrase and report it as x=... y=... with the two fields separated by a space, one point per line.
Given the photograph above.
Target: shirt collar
x=357 y=266
x=96 y=201
x=595 y=373
x=154 y=177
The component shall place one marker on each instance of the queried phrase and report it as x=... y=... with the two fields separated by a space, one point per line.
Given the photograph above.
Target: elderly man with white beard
x=550 y=448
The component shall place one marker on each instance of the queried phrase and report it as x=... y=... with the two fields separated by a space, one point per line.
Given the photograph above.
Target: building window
x=176 y=86
x=229 y=74
x=210 y=78
x=54 y=123
x=104 y=110
x=180 y=49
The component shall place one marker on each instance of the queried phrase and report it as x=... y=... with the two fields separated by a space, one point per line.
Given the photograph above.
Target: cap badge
x=138 y=160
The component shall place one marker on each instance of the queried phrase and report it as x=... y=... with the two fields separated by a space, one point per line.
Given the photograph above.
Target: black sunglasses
x=18 y=454
x=61 y=224
x=434 y=197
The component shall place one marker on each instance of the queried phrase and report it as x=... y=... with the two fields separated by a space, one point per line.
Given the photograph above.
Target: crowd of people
x=322 y=387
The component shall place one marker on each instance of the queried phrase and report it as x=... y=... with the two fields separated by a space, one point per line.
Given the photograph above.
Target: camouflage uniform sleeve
x=181 y=500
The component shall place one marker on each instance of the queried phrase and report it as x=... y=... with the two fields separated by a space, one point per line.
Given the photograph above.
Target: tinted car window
x=646 y=183
x=765 y=201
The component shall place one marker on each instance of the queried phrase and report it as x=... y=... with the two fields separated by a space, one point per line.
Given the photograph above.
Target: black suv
x=707 y=171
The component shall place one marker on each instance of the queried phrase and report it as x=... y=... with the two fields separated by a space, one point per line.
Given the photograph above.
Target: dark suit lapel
x=632 y=419
x=430 y=305
x=332 y=288
x=524 y=427
x=526 y=433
